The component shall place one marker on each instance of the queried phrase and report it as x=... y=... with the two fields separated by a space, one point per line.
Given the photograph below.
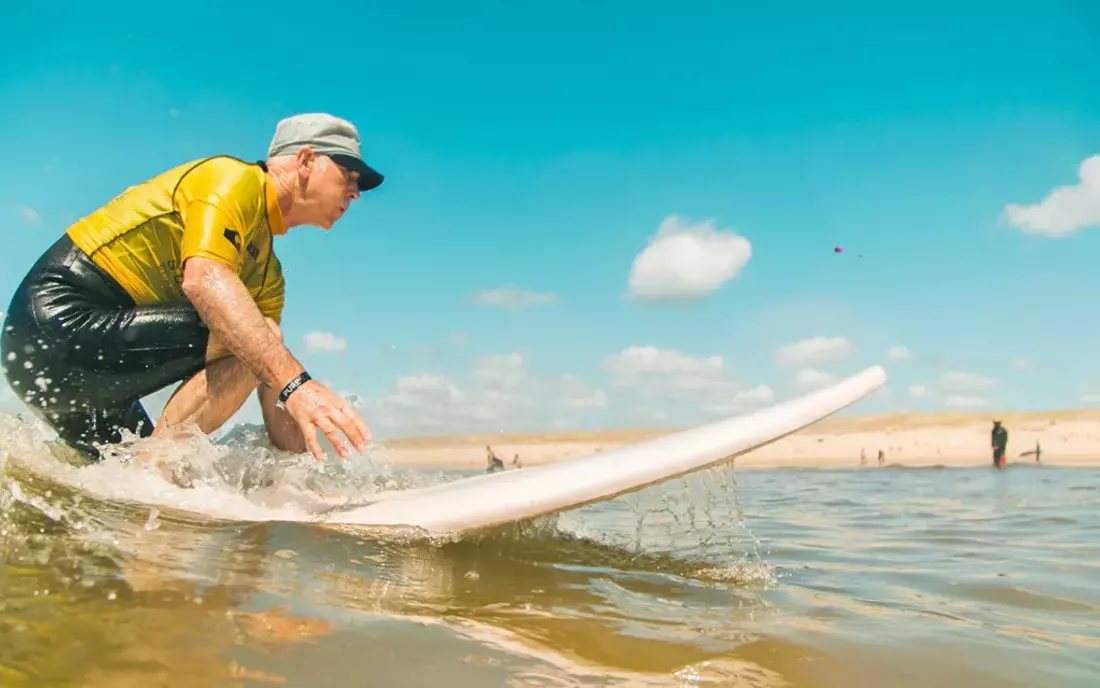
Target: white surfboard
x=494 y=499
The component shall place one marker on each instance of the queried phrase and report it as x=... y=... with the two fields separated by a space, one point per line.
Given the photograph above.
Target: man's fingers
x=353 y=427
x=309 y=433
x=364 y=431
x=326 y=426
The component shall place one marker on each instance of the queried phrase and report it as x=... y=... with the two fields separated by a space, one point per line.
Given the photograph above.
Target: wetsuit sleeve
x=272 y=295
x=210 y=232
x=219 y=204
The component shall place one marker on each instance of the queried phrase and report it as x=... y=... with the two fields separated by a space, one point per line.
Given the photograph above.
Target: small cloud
x=814 y=350
x=966 y=382
x=595 y=400
x=324 y=341
x=460 y=337
x=812 y=379
x=1064 y=210
x=685 y=261
x=174 y=113
x=919 y=391
x=965 y=401
x=29 y=215
x=1021 y=363
x=511 y=296
x=899 y=354
x=761 y=394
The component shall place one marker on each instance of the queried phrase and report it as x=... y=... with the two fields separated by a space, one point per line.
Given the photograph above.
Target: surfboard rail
x=491 y=500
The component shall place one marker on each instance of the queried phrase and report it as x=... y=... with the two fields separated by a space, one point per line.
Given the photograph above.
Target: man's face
x=330 y=189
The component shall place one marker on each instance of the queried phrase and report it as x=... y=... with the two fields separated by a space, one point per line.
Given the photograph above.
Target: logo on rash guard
x=234 y=238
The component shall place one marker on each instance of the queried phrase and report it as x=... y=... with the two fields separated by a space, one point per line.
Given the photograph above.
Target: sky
x=610 y=214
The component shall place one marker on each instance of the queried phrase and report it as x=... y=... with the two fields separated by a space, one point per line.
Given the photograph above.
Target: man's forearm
x=281 y=427
x=228 y=309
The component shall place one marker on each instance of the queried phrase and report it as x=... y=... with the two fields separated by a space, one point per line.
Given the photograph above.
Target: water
x=862 y=577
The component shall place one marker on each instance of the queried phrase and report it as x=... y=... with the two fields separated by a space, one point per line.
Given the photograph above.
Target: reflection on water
x=757 y=578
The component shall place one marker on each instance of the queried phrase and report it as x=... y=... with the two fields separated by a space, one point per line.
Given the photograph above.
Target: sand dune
x=952 y=439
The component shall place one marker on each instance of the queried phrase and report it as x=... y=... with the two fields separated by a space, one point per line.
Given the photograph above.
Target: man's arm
x=228 y=309
x=281 y=426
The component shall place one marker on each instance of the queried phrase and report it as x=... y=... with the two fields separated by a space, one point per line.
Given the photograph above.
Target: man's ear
x=306 y=159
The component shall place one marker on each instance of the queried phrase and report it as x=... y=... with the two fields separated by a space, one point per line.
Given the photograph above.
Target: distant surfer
x=493 y=461
x=999 y=442
x=176 y=280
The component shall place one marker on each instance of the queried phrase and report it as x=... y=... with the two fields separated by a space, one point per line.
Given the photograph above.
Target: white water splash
x=237 y=477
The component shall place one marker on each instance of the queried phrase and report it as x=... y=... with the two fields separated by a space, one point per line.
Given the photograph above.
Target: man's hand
x=228 y=309
x=315 y=407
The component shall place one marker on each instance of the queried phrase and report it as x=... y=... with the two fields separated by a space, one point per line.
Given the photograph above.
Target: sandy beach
x=1066 y=438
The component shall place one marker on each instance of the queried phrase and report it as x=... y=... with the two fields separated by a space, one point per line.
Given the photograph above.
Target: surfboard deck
x=494 y=499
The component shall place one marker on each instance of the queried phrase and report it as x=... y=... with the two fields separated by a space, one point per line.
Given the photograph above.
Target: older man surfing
x=176 y=280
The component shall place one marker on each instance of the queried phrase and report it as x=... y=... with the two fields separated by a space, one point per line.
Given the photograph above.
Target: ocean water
x=797 y=577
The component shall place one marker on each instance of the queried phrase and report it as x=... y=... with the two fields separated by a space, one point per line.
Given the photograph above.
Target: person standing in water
x=494 y=463
x=999 y=442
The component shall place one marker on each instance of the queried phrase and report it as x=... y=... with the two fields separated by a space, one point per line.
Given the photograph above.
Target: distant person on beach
x=999 y=442
x=176 y=280
x=493 y=461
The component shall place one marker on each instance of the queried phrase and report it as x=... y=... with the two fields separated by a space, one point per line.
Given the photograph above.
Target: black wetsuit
x=999 y=440
x=78 y=351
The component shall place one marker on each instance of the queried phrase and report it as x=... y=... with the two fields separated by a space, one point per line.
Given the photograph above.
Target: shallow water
x=861 y=577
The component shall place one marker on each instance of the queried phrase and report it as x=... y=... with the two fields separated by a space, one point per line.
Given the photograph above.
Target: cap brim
x=369 y=178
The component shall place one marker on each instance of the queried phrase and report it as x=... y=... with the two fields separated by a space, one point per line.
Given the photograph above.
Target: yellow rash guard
x=219 y=207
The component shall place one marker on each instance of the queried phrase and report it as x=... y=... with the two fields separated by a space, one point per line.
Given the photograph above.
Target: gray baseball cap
x=328 y=135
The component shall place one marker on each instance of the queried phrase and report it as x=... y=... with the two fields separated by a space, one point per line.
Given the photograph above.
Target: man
x=176 y=280
x=999 y=441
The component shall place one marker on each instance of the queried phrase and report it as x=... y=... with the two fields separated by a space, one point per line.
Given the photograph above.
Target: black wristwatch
x=290 y=388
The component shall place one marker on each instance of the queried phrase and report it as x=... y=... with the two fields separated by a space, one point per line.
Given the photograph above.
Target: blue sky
x=532 y=152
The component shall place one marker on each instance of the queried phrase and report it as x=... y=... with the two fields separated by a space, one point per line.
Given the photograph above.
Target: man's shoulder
x=218 y=179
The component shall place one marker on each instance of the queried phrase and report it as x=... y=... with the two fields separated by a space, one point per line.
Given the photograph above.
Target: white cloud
x=1091 y=398
x=919 y=391
x=1021 y=363
x=500 y=371
x=512 y=297
x=324 y=341
x=686 y=261
x=965 y=382
x=595 y=400
x=637 y=360
x=1064 y=210
x=661 y=385
x=499 y=393
x=760 y=394
x=811 y=378
x=814 y=350
x=898 y=354
x=741 y=401
x=669 y=373
x=29 y=215
x=965 y=401
x=414 y=391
